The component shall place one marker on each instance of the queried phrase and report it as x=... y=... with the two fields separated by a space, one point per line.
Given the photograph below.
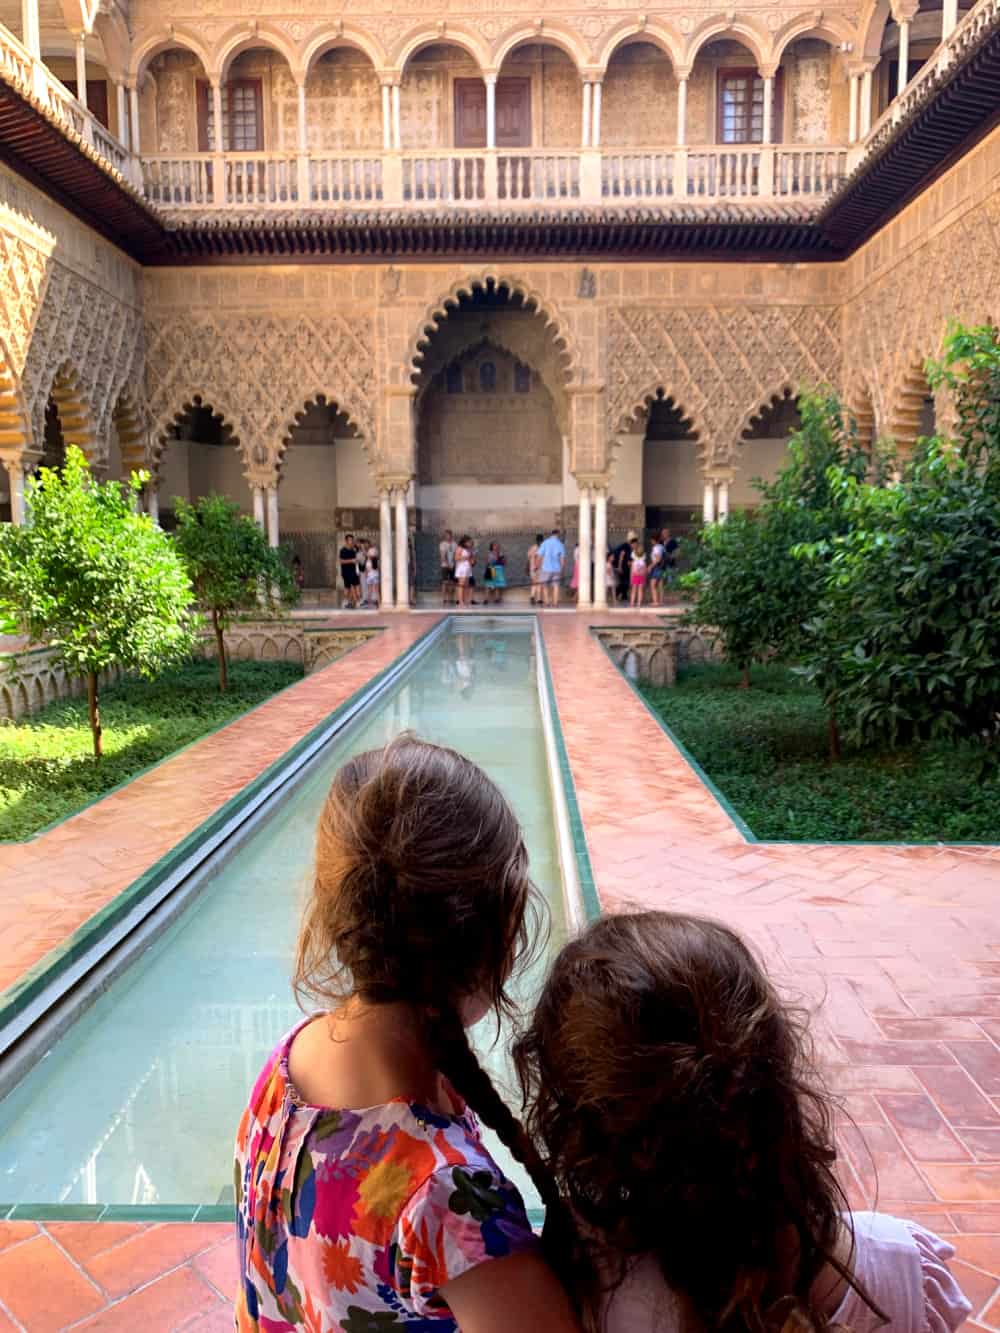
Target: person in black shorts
x=349 y=571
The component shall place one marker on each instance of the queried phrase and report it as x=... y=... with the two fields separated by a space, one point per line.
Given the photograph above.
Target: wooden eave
x=956 y=110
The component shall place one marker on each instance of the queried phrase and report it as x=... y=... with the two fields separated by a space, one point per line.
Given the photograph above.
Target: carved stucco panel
x=889 y=333
x=258 y=371
x=89 y=330
x=24 y=274
x=719 y=364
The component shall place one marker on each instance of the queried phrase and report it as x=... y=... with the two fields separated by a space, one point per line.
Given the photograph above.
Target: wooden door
x=513 y=113
x=97 y=98
x=470 y=113
x=513 y=110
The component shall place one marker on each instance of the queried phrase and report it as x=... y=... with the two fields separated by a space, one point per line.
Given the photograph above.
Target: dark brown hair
x=673 y=1097
x=422 y=896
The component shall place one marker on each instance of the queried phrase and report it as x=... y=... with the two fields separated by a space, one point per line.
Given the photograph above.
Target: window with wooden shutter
x=741 y=106
x=242 y=116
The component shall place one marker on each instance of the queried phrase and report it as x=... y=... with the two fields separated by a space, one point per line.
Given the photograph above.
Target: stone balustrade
x=32 y=679
x=652 y=654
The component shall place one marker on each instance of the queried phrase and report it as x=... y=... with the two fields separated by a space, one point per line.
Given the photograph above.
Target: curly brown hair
x=422 y=896
x=673 y=1096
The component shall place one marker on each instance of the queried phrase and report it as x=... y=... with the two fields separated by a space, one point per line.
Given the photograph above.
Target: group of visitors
x=459 y=561
x=630 y=570
x=676 y=1129
x=359 y=572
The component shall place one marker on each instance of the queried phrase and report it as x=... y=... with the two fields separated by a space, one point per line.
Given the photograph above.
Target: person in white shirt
x=671 y=1092
x=446 y=553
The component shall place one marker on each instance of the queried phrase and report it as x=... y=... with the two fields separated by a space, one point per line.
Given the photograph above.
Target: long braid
x=455 y=1058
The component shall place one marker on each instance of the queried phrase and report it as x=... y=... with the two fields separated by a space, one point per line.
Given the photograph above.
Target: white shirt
x=901 y=1266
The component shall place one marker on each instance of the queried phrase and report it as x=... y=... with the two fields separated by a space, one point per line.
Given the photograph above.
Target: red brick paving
x=897 y=949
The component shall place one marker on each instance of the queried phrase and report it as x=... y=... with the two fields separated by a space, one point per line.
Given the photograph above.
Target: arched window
x=522 y=378
x=488 y=377
x=454 y=378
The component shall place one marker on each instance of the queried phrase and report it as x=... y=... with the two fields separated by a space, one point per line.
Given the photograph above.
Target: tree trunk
x=94 y=708
x=745 y=679
x=833 y=733
x=220 y=643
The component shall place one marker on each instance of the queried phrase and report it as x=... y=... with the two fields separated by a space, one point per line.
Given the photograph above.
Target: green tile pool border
x=372 y=630
x=584 y=868
x=742 y=827
x=29 y=985
x=150 y=1214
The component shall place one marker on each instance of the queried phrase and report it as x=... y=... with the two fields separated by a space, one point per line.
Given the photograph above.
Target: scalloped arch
x=330 y=400
x=147 y=48
x=659 y=34
x=906 y=402
x=749 y=34
x=451 y=35
x=550 y=34
x=785 y=392
x=345 y=35
x=640 y=408
x=220 y=412
x=15 y=421
x=76 y=414
x=439 y=310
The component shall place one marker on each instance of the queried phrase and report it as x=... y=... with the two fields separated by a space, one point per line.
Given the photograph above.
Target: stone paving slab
x=897 y=948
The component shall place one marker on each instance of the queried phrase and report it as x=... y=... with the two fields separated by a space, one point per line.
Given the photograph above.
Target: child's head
x=422 y=896
x=672 y=1094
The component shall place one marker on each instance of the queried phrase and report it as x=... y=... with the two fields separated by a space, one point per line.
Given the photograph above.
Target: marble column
x=902 y=78
x=584 y=591
x=31 y=33
x=852 y=131
x=866 y=102
x=600 y=544
x=708 y=502
x=272 y=516
x=81 y=69
x=585 y=127
x=723 y=499
x=402 y=550
x=258 y=507
x=133 y=106
x=768 y=129
x=595 y=115
x=386 y=117
x=153 y=500
x=949 y=18
x=491 y=110
x=15 y=473
x=385 y=553
x=682 y=104
x=121 y=103
x=397 y=128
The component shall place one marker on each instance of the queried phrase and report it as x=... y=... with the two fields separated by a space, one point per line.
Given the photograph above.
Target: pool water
x=138 y=1103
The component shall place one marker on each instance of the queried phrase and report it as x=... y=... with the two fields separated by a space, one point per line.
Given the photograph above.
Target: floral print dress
x=354 y=1220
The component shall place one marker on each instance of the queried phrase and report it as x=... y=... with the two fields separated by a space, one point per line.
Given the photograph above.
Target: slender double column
x=15 y=474
x=273 y=536
x=592 y=530
x=600 y=544
x=584 y=591
x=402 y=549
x=386 y=558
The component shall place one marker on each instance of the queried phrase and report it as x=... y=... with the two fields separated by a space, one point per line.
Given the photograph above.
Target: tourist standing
x=463 y=568
x=670 y=548
x=657 y=568
x=372 y=577
x=637 y=574
x=298 y=573
x=552 y=554
x=623 y=562
x=533 y=569
x=496 y=574
x=446 y=554
x=349 y=572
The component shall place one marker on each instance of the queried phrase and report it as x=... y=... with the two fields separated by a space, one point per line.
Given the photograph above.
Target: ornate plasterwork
x=899 y=318
x=718 y=364
x=257 y=372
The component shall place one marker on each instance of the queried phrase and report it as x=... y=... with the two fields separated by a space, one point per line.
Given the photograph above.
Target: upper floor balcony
x=659 y=110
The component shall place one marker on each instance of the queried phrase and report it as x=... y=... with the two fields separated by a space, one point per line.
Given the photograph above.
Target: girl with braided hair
x=673 y=1096
x=366 y=1199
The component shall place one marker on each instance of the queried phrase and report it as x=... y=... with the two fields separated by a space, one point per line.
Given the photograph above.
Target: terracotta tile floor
x=898 y=947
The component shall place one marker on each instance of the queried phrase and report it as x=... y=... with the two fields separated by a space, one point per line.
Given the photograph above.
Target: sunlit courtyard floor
x=899 y=947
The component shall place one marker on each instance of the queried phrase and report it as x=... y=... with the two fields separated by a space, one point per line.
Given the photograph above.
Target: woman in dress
x=463 y=568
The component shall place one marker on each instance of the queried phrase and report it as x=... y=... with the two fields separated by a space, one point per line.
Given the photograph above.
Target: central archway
x=492 y=426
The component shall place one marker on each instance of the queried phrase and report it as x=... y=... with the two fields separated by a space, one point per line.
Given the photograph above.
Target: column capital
x=592 y=74
x=490 y=75
x=394 y=481
x=768 y=70
x=389 y=78
x=859 y=68
x=594 y=481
